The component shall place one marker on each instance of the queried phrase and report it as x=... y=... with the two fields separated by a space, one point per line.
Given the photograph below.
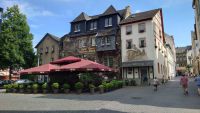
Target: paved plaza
x=140 y=99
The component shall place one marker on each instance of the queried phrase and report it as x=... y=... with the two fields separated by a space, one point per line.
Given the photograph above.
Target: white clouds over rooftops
x=28 y=9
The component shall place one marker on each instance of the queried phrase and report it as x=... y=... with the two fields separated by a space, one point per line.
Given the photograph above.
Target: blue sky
x=54 y=16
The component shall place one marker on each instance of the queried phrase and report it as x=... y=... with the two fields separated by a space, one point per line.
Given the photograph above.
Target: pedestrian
x=184 y=83
x=155 y=83
x=197 y=79
x=163 y=79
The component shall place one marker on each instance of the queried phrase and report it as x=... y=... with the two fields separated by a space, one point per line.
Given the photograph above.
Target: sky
x=54 y=16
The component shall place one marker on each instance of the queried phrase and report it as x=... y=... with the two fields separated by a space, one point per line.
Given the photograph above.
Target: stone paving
x=168 y=99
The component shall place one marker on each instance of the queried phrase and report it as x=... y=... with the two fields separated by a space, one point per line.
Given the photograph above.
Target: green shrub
x=66 y=86
x=79 y=85
x=133 y=82
x=15 y=86
x=55 y=85
x=35 y=86
x=91 y=86
x=21 y=86
x=29 y=87
x=8 y=86
x=44 y=86
x=101 y=86
x=115 y=83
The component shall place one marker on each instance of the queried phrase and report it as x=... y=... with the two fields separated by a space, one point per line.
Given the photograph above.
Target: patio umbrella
x=43 y=69
x=83 y=65
x=66 y=60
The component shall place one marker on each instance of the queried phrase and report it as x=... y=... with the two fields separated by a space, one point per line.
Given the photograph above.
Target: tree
x=16 y=49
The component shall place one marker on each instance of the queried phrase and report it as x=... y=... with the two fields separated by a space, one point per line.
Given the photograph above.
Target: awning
x=66 y=60
x=84 y=65
x=43 y=69
x=137 y=63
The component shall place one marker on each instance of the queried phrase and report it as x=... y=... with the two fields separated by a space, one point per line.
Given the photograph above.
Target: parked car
x=23 y=81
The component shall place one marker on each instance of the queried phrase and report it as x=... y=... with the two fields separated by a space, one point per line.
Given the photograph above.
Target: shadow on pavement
x=62 y=111
x=169 y=95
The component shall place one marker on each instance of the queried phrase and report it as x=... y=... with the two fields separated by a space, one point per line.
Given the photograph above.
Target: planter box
x=79 y=91
x=44 y=91
x=66 y=91
x=55 y=91
x=92 y=90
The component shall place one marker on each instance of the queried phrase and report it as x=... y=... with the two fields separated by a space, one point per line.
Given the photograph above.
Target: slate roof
x=51 y=36
x=82 y=16
x=140 y=16
x=109 y=11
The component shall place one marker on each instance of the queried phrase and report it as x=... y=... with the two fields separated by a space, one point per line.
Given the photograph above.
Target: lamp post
x=1 y=12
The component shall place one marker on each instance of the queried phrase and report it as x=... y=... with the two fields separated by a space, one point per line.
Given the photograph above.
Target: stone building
x=96 y=37
x=143 y=46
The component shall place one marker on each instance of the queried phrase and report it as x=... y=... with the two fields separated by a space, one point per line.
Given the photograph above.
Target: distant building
x=143 y=47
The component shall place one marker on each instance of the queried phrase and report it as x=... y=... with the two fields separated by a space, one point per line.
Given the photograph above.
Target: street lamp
x=1 y=12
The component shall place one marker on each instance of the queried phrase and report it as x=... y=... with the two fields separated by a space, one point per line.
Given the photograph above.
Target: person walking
x=155 y=83
x=184 y=83
x=197 y=79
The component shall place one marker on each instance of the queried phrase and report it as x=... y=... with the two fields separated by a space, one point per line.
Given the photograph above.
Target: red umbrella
x=84 y=65
x=66 y=60
x=43 y=69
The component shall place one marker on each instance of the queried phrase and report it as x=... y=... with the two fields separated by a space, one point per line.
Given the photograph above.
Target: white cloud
x=28 y=9
x=137 y=11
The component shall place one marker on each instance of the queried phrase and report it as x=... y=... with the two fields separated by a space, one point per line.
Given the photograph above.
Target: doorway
x=144 y=76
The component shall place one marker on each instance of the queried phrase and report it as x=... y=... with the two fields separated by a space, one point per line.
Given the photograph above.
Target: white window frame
x=106 y=40
x=127 y=41
x=108 y=22
x=93 y=41
x=103 y=41
x=140 y=44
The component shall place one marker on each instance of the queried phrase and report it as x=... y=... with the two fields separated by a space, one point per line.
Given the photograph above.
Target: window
x=108 y=22
x=102 y=41
x=108 y=61
x=52 y=48
x=160 y=34
x=128 y=29
x=158 y=68
x=80 y=43
x=84 y=43
x=108 y=40
x=129 y=70
x=142 y=42
x=77 y=28
x=93 y=25
x=93 y=43
x=141 y=27
x=41 y=50
x=128 y=44
x=47 y=49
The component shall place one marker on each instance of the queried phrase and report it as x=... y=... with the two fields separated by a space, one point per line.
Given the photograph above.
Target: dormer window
x=77 y=28
x=93 y=25
x=141 y=27
x=108 y=22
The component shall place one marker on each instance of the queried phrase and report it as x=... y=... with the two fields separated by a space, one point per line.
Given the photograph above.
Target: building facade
x=195 y=36
x=171 y=56
x=97 y=37
x=143 y=47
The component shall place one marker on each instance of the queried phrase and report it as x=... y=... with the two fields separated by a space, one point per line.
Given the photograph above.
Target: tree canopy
x=16 y=48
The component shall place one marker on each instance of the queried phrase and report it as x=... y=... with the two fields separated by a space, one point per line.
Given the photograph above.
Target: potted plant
x=66 y=87
x=92 y=87
x=28 y=88
x=79 y=87
x=55 y=87
x=44 y=87
x=35 y=88
x=14 y=88
x=101 y=88
x=21 y=88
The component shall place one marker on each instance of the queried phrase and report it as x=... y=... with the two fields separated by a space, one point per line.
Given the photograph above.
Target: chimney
x=128 y=11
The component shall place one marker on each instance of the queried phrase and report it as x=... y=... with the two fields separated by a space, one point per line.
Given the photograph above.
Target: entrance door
x=144 y=76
